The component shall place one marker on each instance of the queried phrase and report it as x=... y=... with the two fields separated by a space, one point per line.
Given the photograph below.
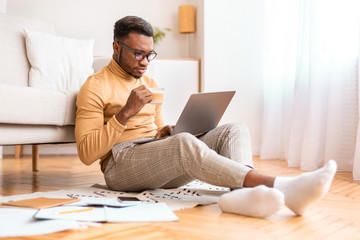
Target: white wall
x=233 y=59
x=95 y=19
x=3 y=6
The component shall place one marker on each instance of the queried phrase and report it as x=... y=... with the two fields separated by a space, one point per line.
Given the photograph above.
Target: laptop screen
x=203 y=112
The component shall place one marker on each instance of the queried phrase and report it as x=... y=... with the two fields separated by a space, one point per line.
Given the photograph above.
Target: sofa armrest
x=100 y=62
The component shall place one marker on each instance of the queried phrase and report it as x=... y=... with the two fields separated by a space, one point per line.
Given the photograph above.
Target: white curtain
x=311 y=83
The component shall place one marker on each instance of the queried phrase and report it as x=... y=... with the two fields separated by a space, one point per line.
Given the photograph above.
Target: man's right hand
x=136 y=101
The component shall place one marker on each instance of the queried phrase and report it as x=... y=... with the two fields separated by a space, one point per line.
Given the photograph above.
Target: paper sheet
x=20 y=222
x=152 y=212
x=93 y=215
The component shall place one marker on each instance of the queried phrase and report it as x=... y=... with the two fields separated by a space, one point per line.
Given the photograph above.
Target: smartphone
x=128 y=199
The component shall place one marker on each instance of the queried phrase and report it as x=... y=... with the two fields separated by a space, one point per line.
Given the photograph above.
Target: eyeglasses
x=141 y=55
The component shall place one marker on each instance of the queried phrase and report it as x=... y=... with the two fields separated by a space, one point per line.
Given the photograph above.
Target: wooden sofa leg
x=35 y=157
x=18 y=151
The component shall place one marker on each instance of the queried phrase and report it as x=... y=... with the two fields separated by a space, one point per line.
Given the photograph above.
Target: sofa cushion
x=31 y=134
x=14 y=65
x=58 y=62
x=27 y=105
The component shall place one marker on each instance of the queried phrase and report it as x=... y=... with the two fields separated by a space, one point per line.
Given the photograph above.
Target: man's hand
x=136 y=101
x=165 y=131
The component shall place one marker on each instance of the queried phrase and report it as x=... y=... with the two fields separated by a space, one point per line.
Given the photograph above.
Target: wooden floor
x=336 y=216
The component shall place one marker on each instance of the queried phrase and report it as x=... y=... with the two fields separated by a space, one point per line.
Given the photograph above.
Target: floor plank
x=336 y=216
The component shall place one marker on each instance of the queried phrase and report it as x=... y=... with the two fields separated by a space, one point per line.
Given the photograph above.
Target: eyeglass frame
x=137 y=53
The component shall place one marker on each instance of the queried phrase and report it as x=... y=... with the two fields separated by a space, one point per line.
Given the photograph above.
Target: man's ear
x=116 y=47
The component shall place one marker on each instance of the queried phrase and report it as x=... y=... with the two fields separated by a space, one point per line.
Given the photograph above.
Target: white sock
x=302 y=190
x=260 y=201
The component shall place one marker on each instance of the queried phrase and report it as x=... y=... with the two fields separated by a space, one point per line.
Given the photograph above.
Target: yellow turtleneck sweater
x=100 y=98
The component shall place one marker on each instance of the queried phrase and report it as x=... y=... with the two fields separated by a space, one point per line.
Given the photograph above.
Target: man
x=113 y=113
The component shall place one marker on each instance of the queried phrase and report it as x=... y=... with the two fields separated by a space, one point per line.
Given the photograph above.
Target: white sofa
x=33 y=116
x=29 y=115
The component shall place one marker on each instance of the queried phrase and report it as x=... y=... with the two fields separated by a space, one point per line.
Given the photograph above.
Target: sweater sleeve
x=94 y=138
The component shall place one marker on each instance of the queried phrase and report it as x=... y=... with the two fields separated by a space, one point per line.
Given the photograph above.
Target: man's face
x=126 y=58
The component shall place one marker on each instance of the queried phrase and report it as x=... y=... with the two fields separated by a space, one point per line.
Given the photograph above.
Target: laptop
x=202 y=112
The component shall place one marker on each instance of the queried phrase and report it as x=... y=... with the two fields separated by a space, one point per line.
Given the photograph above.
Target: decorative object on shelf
x=187 y=23
x=159 y=34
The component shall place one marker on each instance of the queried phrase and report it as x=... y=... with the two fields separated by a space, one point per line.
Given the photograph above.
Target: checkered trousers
x=221 y=157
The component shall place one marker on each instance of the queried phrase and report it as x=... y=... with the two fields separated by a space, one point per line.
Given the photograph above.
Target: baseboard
x=255 y=150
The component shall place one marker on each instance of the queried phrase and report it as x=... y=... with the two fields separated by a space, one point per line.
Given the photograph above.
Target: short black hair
x=130 y=24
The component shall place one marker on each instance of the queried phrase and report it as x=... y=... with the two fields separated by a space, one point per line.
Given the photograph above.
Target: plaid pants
x=221 y=157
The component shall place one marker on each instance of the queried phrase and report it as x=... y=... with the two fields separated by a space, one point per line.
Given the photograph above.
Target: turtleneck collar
x=117 y=70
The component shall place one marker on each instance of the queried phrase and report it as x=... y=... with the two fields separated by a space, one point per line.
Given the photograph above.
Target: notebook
x=202 y=112
x=41 y=202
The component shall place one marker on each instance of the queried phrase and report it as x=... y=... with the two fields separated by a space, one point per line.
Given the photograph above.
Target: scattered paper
x=144 y=212
x=190 y=195
x=20 y=221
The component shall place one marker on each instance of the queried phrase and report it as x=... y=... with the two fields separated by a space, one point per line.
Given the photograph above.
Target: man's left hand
x=164 y=132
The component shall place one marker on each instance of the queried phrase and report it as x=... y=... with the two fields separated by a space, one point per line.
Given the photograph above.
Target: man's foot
x=260 y=201
x=302 y=190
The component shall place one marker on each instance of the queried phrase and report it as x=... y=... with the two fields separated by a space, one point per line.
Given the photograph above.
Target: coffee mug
x=157 y=95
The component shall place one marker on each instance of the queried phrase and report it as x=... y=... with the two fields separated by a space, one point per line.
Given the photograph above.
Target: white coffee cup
x=157 y=95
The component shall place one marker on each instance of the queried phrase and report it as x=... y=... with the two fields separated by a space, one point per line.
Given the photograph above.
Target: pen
x=78 y=210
